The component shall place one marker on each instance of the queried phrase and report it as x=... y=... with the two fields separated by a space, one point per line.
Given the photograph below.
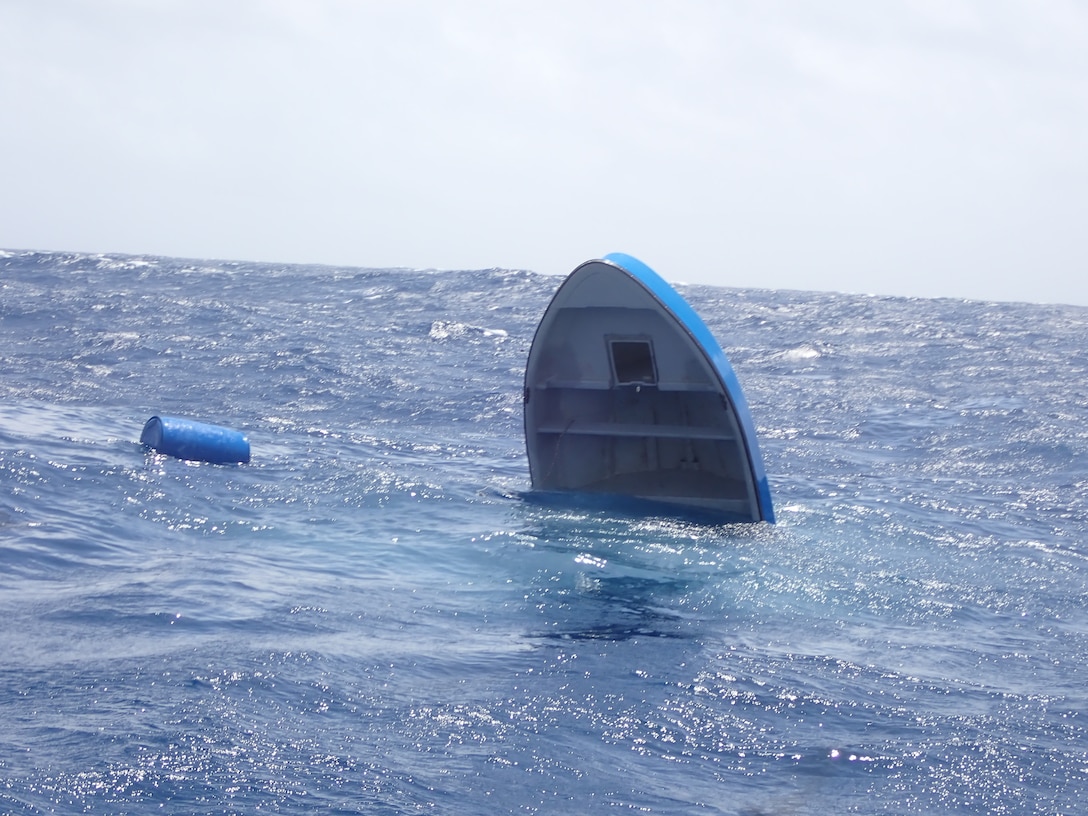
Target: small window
x=633 y=362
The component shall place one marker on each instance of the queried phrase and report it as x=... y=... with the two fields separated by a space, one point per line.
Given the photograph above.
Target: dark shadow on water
x=617 y=568
x=576 y=606
x=610 y=584
x=612 y=632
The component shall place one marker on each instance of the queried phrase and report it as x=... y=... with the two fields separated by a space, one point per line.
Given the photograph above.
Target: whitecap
x=800 y=354
x=443 y=330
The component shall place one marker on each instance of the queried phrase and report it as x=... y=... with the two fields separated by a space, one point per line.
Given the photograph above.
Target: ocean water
x=376 y=615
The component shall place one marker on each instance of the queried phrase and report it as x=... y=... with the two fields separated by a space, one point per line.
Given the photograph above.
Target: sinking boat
x=627 y=392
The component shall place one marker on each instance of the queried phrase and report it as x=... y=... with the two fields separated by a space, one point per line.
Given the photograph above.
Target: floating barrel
x=195 y=441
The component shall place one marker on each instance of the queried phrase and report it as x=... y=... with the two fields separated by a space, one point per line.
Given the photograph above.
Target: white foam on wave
x=443 y=330
x=801 y=354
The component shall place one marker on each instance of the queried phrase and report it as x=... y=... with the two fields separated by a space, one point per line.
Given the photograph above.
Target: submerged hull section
x=627 y=392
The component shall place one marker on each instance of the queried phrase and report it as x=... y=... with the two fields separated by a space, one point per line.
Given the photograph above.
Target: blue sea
x=376 y=615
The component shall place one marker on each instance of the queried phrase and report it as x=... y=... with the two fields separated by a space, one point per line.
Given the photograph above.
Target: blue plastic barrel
x=195 y=441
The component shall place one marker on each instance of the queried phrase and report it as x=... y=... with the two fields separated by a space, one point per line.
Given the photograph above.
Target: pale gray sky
x=911 y=147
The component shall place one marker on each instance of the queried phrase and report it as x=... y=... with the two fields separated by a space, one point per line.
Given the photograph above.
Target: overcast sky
x=934 y=148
